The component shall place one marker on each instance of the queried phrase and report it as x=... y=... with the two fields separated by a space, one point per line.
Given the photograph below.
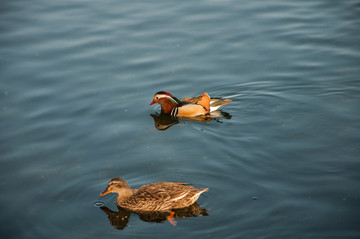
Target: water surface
x=76 y=80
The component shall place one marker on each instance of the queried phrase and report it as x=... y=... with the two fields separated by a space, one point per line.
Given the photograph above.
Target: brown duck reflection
x=164 y=121
x=120 y=219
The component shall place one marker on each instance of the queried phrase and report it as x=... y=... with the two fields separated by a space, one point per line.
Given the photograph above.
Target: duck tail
x=217 y=102
x=203 y=190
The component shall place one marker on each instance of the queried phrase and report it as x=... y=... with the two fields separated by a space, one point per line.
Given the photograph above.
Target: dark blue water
x=76 y=80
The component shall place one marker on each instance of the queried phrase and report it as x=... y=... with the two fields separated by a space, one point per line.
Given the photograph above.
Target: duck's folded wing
x=191 y=100
x=164 y=191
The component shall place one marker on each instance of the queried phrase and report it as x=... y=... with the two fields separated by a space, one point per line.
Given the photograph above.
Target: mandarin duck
x=155 y=197
x=187 y=107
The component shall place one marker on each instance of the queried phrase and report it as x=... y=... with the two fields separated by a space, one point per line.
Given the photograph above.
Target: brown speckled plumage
x=161 y=196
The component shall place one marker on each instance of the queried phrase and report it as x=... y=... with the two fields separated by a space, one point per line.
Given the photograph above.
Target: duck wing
x=161 y=196
x=164 y=191
x=203 y=100
x=191 y=100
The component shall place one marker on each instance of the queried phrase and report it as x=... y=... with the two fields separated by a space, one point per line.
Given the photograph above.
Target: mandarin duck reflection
x=163 y=121
x=155 y=197
x=187 y=107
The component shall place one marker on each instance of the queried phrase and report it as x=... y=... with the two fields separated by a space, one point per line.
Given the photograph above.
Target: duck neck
x=124 y=194
x=167 y=105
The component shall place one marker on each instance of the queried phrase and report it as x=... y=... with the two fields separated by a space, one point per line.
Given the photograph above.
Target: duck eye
x=157 y=97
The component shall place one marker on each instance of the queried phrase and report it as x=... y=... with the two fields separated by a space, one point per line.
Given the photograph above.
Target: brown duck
x=155 y=197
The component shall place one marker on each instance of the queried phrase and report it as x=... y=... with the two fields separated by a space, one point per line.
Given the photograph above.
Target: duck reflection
x=164 y=121
x=120 y=219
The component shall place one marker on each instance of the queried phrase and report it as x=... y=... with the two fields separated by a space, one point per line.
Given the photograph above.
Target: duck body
x=161 y=196
x=187 y=107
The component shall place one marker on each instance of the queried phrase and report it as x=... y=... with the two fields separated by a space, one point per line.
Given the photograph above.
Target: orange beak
x=152 y=102
x=105 y=192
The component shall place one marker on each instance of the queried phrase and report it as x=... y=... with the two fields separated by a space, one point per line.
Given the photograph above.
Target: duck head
x=166 y=100
x=119 y=186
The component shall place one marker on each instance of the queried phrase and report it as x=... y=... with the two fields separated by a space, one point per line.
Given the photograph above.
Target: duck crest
x=165 y=94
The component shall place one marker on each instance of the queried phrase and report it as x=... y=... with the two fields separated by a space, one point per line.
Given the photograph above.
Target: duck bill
x=107 y=191
x=152 y=102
